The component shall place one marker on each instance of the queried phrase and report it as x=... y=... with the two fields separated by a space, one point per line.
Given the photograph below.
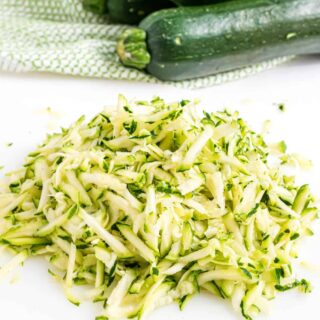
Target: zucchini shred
x=149 y=203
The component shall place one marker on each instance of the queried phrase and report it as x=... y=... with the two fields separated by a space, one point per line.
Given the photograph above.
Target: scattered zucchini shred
x=282 y=107
x=149 y=203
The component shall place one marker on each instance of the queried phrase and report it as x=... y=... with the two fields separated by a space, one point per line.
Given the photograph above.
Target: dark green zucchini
x=190 y=42
x=126 y=11
x=196 y=2
x=133 y=11
x=95 y=6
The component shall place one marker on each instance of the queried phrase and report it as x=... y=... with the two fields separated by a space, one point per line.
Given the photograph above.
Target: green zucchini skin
x=190 y=42
x=133 y=11
x=196 y=2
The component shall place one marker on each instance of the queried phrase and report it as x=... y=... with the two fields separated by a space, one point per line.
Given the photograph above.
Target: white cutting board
x=24 y=121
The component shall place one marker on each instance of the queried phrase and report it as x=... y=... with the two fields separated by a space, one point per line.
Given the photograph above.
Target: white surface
x=23 y=121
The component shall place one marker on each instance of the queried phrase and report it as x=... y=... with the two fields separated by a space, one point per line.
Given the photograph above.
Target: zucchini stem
x=132 y=48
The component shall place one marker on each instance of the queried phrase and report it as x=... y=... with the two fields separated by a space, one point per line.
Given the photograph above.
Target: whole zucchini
x=133 y=11
x=189 y=42
x=126 y=11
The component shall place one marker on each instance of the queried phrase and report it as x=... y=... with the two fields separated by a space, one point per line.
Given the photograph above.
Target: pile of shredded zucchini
x=149 y=203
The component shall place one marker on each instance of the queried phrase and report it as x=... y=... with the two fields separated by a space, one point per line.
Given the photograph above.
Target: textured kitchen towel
x=60 y=36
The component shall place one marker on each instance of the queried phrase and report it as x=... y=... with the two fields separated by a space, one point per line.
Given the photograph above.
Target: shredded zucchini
x=150 y=203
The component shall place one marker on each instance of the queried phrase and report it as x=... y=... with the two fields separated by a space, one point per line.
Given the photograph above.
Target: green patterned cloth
x=60 y=36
